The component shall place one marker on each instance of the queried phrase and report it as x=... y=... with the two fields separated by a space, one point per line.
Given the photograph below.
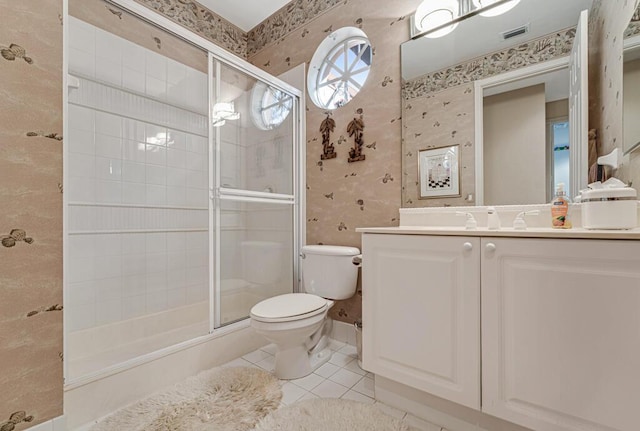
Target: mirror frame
x=629 y=44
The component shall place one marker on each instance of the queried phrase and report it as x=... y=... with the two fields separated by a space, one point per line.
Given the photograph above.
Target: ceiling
x=245 y=14
x=481 y=35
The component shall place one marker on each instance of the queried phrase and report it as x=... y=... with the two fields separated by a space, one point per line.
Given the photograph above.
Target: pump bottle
x=560 y=209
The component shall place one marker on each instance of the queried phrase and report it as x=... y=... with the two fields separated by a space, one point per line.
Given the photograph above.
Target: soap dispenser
x=560 y=209
x=493 y=220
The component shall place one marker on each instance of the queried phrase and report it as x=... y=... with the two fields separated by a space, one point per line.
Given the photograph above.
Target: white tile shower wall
x=138 y=182
x=100 y=55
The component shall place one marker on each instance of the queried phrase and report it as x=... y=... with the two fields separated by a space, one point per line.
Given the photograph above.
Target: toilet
x=297 y=323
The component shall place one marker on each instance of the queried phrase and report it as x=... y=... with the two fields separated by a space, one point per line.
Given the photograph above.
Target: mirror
x=440 y=100
x=631 y=86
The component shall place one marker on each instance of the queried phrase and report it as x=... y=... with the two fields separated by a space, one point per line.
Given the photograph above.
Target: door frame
x=479 y=87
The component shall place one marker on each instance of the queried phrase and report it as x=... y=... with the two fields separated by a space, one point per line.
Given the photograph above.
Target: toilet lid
x=288 y=305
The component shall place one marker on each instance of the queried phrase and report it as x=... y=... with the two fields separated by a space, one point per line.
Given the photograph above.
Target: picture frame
x=439 y=172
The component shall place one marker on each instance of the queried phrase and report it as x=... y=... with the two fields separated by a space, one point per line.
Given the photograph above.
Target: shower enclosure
x=182 y=189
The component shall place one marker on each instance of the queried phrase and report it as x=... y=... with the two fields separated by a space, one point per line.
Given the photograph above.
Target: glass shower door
x=253 y=130
x=137 y=191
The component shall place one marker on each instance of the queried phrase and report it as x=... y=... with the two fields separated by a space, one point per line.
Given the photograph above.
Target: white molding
x=631 y=43
x=343 y=332
x=504 y=78
x=478 y=94
x=420 y=410
x=445 y=414
x=55 y=424
x=65 y=180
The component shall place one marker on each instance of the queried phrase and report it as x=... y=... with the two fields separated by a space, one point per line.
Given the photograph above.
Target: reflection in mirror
x=631 y=94
x=525 y=137
x=437 y=18
x=439 y=107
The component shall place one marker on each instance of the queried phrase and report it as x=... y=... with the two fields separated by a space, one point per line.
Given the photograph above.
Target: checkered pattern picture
x=438 y=172
x=439 y=184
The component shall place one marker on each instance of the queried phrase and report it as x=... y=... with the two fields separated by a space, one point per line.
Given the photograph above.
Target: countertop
x=577 y=233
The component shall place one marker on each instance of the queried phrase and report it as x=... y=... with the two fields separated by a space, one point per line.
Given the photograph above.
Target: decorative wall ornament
x=286 y=20
x=356 y=129
x=15 y=236
x=15 y=51
x=202 y=21
x=326 y=127
x=538 y=50
x=15 y=419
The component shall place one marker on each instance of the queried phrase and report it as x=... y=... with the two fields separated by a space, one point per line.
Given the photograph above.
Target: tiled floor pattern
x=341 y=377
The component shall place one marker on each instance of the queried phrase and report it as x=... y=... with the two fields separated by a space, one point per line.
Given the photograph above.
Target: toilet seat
x=288 y=307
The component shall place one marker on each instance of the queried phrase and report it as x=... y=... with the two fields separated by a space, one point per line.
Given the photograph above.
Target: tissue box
x=610 y=208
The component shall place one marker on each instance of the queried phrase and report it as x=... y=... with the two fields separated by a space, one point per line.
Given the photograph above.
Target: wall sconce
x=434 y=13
x=223 y=111
x=496 y=10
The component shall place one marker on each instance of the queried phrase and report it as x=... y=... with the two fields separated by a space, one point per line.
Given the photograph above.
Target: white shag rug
x=330 y=415
x=221 y=399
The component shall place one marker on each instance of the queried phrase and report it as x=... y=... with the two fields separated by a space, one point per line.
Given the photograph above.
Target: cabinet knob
x=490 y=247
x=467 y=246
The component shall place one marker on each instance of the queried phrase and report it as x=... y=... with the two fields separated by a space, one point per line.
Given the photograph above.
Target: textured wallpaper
x=290 y=17
x=436 y=120
x=202 y=21
x=31 y=215
x=608 y=21
x=342 y=196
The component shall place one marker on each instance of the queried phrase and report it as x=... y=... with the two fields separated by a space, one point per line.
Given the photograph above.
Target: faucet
x=519 y=223
x=493 y=219
x=471 y=222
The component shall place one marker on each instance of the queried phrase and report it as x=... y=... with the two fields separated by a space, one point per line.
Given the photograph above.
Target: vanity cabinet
x=559 y=319
x=561 y=333
x=421 y=311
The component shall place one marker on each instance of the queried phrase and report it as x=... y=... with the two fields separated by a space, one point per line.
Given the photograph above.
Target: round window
x=269 y=106
x=339 y=68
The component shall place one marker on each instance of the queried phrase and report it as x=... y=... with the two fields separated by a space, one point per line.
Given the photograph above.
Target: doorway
x=515 y=155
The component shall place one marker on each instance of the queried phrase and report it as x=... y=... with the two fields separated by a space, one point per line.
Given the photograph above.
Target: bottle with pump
x=560 y=209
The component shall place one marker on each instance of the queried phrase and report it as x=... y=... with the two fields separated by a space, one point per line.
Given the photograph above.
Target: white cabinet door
x=561 y=333
x=421 y=305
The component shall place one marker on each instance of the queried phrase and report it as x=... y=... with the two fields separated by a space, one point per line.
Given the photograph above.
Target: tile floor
x=341 y=377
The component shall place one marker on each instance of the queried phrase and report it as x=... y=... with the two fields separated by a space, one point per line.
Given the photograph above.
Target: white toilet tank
x=262 y=261
x=328 y=271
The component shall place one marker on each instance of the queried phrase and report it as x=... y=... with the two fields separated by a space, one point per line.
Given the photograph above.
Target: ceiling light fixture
x=223 y=111
x=494 y=11
x=434 y=13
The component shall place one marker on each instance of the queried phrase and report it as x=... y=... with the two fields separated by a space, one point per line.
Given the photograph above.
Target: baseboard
x=343 y=332
x=446 y=414
x=55 y=424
